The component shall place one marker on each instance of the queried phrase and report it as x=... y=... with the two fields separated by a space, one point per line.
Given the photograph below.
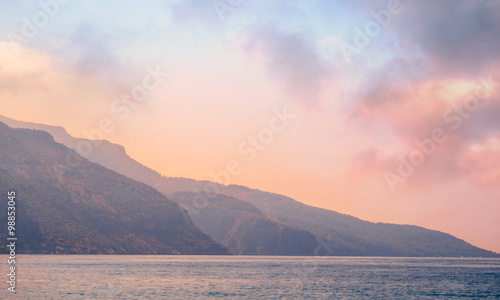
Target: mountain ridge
x=351 y=235
x=244 y=229
x=93 y=211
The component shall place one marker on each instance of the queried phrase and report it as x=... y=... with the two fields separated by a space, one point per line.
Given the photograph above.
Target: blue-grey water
x=251 y=277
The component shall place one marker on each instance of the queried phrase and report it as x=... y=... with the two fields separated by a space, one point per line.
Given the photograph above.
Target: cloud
x=97 y=52
x=411 y=113
x=458 y=36
x=446 y=40
x=440 y=51
x=90 y=49
x=483 y=162
x=292 y=60
x=35 y=86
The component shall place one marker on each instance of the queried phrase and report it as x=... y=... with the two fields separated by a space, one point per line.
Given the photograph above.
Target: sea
x=250 y=277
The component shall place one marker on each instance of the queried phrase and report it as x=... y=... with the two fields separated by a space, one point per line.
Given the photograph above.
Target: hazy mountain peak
x=92 y=210
x=351 y=235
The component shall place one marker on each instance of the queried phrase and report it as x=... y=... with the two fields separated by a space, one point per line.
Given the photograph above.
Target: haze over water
x=253 y=277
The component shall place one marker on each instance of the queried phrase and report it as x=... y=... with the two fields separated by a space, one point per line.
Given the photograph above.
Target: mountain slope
x=244 y=229
x=112 y=156
x=350 y=235
x=90 y=209
x=362 y=237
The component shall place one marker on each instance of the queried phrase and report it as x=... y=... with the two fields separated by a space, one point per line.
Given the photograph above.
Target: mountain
x=338 y=234
x=341 y=234
x=243 y=229
x=89 y=209
x=356 y=236
x=107 y=154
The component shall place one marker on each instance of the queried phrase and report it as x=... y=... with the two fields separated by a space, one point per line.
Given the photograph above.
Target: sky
x=384 y=110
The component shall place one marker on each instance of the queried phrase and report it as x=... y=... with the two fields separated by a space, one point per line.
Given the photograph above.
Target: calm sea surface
x=250 y=277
